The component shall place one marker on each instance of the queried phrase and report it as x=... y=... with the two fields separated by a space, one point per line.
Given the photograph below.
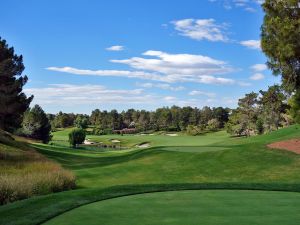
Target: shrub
x=77 y=136
x=194 y=130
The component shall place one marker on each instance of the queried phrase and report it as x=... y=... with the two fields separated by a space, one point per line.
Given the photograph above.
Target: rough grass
x=25 y=173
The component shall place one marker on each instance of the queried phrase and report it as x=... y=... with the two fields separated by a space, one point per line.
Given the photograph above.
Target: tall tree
x=280 y=40
x=248 y=111
x=13 y=102
x=272 y=106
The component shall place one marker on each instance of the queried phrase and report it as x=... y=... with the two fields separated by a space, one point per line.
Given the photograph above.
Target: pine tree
x=13 y=102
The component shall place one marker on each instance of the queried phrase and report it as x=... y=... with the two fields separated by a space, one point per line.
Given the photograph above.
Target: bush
x=194 y=130
x=77 y=136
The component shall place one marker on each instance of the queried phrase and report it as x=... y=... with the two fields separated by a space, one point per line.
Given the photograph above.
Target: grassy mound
x=24 y=172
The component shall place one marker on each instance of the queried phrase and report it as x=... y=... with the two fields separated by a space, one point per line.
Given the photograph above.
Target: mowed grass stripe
x=204 y=207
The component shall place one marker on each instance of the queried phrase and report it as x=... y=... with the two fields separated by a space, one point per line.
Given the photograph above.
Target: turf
x=208 y=161
x=130 y=141
x=218 y=159
x=190 y=207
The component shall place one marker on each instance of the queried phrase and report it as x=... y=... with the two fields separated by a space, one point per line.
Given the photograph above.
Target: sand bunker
x=143 y=145
x=292 y=145
x=172 y=135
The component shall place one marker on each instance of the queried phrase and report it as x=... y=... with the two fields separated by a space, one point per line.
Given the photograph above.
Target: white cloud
x=259 y=67
x=163 y=86
x=115 y=48
x=252 y=44
x=201 y=29
x=257 y=76
x=68 y=95
x=181 y=67
x=197 y=92
x=165 y=67
x=248 y=5
x=244 y=84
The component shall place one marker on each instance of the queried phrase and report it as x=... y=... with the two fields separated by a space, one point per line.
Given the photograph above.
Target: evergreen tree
x=13 y=102
x=280 y=40
x=36 y=124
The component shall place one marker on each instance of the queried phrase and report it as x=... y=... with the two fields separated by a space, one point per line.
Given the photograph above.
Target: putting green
x=205 y=207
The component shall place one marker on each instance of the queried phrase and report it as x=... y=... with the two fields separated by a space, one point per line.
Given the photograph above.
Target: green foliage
x=294 y=104
x=81 y=122
x=280 y=40
x=76 y=136
x=256 y=114
x=194 y=130
x=213 y=125
x=36 y=124
x=260 y=126
x=13 y=101
x=63 y=120
x=272 y=106
x=162 y=119
x=242 y=120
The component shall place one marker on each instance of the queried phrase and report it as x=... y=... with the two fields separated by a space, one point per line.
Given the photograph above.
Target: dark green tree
x=280 y=40
x=36 y=124
x=13 y=102
x=260 y=126
x=76 y=136
x=294 y=110
x=272 y=106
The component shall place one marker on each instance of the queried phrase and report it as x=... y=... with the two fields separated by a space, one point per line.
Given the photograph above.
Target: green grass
x=189 y=207
x=130 y=141
x=211 y=159
x=208 y=161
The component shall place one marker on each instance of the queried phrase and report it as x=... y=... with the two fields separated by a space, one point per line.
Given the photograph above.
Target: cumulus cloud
x=115 y=48
x=201 y=29
x=165 y=67
x=177 y=64
x=259 y=67
x=257 y=76
x=252 y=44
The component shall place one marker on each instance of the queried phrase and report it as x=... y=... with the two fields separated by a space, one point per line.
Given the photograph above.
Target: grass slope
x=243 y=160
x=25 y=173
x=189 y=207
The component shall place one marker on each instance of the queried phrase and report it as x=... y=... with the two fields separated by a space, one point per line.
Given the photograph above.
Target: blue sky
x=81 y=55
